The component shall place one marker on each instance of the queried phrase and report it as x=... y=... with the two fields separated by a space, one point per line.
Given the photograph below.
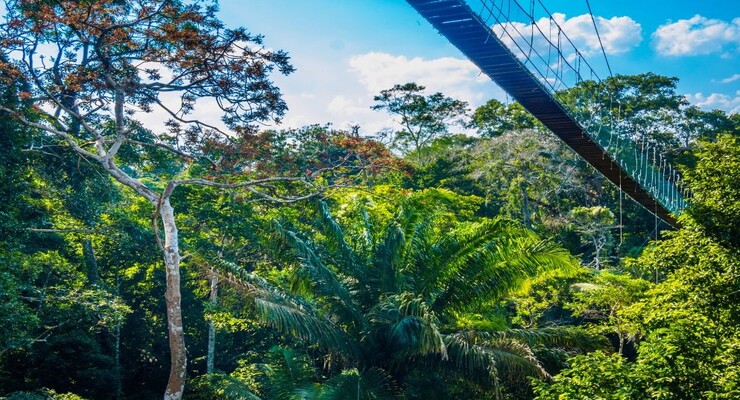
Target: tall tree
x=531 y=175
x=18 y=318
x=94 y=67
x=495 y=118
x=49 y=290
x=644 y=108
x=697 y=124
x=423 y=118
x=595 y=225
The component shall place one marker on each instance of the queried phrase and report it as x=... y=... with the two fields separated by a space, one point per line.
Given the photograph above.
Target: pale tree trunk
x=597 y=253
x=211 y=360
x=178 y=356
x=599 y=244
x=618 y=329
x=171 y=253
x=117 y=354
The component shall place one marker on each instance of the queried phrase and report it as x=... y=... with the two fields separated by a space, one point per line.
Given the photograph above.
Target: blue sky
x=345 y=51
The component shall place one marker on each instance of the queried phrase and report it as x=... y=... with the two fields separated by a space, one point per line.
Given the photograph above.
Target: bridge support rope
x=467 y=31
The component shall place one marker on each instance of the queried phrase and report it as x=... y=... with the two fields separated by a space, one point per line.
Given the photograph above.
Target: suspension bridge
x=532 y=61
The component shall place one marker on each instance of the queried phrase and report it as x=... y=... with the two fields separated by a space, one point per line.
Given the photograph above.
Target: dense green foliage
x=484 y=266
x=686 y=325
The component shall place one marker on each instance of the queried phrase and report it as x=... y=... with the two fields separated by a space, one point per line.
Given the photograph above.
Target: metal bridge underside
x=466 y=30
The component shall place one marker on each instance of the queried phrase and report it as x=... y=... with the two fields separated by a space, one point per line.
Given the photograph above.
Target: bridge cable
x=598 y=36
x=621 y=224
x=655 y=179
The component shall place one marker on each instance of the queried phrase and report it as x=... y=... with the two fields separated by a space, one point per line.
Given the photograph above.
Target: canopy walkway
x=483 y=35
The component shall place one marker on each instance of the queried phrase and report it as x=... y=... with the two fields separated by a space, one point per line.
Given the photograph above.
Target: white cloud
x=455 y=77
x=541 y=44
x=618 y=34
x=303 y=109
x=375 y=71
x=342 y=93
x=697 y=36
x=344 y=107
x=731 y=79
x=728 y=103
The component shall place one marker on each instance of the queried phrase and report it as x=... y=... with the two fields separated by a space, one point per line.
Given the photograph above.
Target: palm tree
x=381 y=303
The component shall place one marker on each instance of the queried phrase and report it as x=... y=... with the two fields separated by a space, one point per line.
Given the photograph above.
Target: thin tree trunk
x=178 y=356
x=211 y=360
x=418 y=151
x=117 y=353
x=117 y=346
x=525 y=207
x=597 y=253
x=92 y=262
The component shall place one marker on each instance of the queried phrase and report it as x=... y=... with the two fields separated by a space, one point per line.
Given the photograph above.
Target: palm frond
x=560 y=336
x=417 y=257
x=514 y=360
x=287 y=314
x=338 y=242
x=408 y=326
x=322 y=279
x=387 y=258
x=289 y=370
x=292 y=320
x=473 y=360
x=408 y=216
x=511 y=350
x=369 y=384
x=457 y=247
x=459 y=257
x=498 y=267
x=502 y=358
x=246 y=281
